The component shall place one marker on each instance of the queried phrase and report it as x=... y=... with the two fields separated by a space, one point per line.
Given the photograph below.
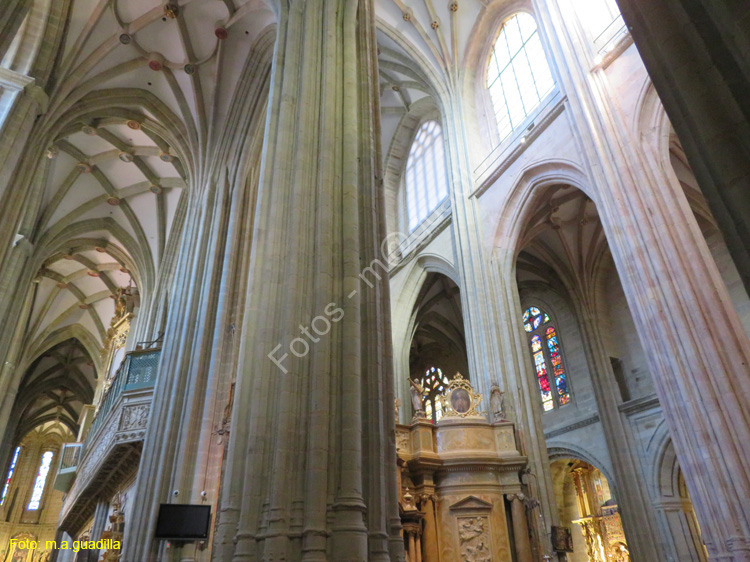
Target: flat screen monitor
x=183 y=522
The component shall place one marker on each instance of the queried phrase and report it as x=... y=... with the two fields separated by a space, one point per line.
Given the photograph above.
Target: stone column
x=698 y=352
x=629 y=486
x=494 y=353
x=168 y=462
x=57 y=555
x=10 y=380
x=13 y=14
x=430 y=536
x=520 y=528
x=699 y=66
x=311 y=450
x=100 y=521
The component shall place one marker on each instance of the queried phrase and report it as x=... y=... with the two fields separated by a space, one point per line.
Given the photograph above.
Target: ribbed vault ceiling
x=188 y=54
x=425 y=50
x=140 y=89
x=55 y=388
x=438 y=322
x=111 y=198
x=563 y=239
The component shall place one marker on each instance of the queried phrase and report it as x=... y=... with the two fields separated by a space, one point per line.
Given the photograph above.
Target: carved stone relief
x=402 y=441
x=474 y=538
x=134 y=417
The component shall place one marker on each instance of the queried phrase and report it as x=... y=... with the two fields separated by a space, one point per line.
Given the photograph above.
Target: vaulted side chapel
x=374 y=280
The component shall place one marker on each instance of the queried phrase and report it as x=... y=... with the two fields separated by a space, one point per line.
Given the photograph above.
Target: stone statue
x=416 y=398
x=497 y=403
x=397 y=404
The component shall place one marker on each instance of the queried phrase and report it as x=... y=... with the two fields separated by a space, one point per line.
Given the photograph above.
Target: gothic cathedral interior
x=375 y=280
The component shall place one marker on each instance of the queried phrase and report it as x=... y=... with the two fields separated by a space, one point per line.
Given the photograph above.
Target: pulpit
x=462 y=475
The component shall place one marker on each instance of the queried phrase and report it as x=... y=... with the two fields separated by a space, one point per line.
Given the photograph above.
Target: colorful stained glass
x=434 y=383
x=558 y=371
x=540 y=366
x=534 y=318
x=536 y=344
x=41 y=479
x=10 y=474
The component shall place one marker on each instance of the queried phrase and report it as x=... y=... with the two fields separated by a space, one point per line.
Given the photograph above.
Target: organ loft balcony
x=111 y=438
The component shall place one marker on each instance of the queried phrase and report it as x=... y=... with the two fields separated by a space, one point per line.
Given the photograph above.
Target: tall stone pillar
x=638 y=514
x=310 y=469
x=520 y=528
x=698 y=352
x=100 y=521
x=183 y=395
x=490 y=322
x=700 y=67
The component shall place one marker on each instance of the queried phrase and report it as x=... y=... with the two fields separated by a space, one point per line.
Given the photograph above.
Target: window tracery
x=434 y=383
x=426 y=180
x=518 y=75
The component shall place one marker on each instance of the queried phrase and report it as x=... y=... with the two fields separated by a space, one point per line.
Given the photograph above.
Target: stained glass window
x=518 y=76
x=434 y=383
x=546 y=358
x=541 y=372
x=12 y=468
x=426 y=180
x=41 y=479
x=557 y=367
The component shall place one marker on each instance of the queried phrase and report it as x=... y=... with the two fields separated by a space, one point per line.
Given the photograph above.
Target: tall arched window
x=426 y=181
x=434 y=383
x=40 y=481
x=545 y=352
x=518 y=76
x=8 y=478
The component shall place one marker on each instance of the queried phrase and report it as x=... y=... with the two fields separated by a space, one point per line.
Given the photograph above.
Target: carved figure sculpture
x=416 y=398
x=497 y=403
x=474 y=538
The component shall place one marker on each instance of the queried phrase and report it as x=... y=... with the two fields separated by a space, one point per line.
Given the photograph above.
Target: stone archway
x=675 y=511
x=587 y=506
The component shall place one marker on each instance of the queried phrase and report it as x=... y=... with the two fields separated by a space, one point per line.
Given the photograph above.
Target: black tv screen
x=183 y=522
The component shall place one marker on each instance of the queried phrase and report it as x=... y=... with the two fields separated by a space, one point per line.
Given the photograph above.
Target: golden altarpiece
x=600 y=520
